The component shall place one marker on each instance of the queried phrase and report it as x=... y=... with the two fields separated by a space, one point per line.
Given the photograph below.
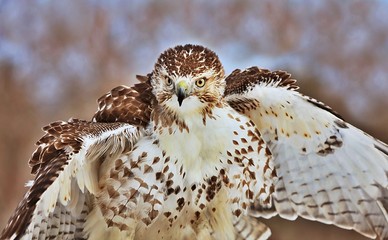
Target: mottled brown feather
x=48 y=160
x=241 y=82
x=131 y=105
x=188 y=60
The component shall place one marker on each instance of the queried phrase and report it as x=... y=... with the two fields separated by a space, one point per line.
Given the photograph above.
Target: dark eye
x=168 y=81
x=200 y=82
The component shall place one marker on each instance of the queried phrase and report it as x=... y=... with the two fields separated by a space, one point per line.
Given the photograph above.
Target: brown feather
x=239 y=82
x=242 y=81
x=188 y=60
x=122 y=104
x=53 y=153
x=131 y=105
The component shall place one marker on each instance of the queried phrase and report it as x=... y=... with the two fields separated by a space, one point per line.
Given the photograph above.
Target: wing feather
x=250 y=229
x=131 y=105
x=328 y=170
x=66 y=165
x=67 y=162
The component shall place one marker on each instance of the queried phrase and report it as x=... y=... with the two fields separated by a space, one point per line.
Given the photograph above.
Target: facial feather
x=188 y=63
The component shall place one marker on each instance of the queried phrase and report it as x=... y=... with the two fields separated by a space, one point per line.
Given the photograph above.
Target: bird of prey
x=190 y=153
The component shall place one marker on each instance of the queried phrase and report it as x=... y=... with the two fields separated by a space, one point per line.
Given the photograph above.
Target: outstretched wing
x=327 y=169
x=67 y=164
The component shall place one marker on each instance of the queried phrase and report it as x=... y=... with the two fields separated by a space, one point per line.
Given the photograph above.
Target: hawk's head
x=188 y=78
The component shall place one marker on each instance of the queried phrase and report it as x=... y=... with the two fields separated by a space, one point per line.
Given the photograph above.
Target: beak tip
x=181 y=96
x=180 y=100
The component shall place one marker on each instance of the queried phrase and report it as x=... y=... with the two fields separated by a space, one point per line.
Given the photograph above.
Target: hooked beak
x=181 y=91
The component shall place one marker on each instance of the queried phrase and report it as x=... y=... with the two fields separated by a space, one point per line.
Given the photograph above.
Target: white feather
x=67 y=192
x=347 y=181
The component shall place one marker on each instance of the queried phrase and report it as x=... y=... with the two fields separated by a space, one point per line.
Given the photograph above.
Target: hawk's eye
x=168 y=81
x=200 y=82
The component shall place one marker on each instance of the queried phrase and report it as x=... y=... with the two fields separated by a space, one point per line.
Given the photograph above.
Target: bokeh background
x=58 y=57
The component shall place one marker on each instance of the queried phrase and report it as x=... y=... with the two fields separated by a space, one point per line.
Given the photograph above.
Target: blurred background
x=58 y=57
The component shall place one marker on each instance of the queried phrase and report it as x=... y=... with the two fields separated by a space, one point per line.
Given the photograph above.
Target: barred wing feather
x=327 y=169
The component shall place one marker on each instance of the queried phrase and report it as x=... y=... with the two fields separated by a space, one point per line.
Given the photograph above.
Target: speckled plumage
x=189 y=153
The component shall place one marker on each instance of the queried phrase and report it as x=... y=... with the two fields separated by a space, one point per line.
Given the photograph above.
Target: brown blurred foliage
x=57 y=58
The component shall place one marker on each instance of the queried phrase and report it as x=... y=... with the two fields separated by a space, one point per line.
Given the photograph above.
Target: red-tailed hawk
x=189 y=153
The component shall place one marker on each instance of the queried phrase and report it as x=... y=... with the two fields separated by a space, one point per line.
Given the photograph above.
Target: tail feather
x=250 y=228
